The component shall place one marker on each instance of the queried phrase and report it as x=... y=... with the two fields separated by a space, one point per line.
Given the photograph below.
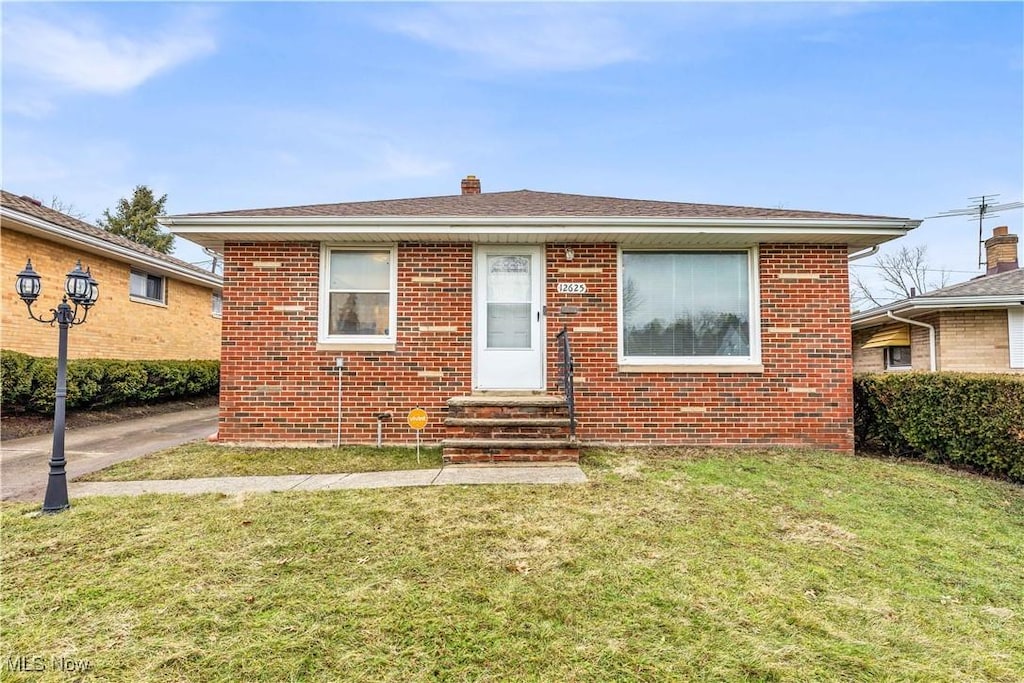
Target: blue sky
x=901 y=109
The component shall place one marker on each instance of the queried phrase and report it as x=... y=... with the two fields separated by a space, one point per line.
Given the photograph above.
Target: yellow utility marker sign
x=417 y=419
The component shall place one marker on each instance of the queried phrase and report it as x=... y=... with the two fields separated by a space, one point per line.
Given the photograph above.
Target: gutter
x=931 y=336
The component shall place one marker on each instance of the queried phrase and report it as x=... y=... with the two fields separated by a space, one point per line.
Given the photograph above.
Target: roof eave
x=117 y=252
x=516 y=221
x=214 y=231
x=925 y=305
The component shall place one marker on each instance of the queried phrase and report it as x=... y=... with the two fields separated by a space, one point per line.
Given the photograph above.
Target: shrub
x=958 y=419
x=28 y=384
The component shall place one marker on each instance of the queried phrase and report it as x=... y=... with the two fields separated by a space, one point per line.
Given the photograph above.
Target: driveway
x=23 y=462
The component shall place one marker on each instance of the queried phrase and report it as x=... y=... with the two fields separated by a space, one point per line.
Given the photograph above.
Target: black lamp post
x=83 y=291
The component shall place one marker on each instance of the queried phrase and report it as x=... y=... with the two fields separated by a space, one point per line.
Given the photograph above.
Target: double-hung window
x=688 y=308
x=357 y=295
x=147 y=287
x=216 y=304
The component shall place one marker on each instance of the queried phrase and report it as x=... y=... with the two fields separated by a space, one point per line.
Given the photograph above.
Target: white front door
x=508 y=317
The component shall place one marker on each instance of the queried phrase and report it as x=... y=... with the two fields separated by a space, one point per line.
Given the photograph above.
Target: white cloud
x=535 y=37
x=81 y=55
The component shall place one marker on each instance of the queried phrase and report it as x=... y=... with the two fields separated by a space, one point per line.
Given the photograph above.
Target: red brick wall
x=276 y=385
x=803 y=397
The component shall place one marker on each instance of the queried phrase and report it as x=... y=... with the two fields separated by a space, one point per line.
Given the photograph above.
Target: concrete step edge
x=511 y=401
x=525 y=444
x=510 y=421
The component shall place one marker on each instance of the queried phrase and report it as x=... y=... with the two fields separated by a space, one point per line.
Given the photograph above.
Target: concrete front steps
x=508 y=428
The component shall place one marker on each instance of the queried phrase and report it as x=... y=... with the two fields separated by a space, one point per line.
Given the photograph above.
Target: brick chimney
x=471 y=185
x=1001 y=251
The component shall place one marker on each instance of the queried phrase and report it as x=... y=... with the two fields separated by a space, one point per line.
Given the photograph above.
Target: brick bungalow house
x=687 y=323
x=151 y=307
x=974 y=326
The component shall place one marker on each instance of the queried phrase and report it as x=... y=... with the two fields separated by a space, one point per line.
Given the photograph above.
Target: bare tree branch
x=66 y=208
x=902 y=275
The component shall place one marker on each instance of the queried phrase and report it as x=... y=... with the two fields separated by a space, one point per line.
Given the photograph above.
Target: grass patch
x=200 y=459
x=731 y=566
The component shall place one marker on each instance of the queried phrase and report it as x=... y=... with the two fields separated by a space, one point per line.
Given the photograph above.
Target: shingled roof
x=533 y=204
x=31 y=207
x=1000 y=290
x=1010 y=283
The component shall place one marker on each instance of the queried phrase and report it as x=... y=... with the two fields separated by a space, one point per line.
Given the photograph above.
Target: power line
x=925 y=270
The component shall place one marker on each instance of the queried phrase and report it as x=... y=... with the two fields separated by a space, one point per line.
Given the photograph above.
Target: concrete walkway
x=23 y=462
x=447 y=476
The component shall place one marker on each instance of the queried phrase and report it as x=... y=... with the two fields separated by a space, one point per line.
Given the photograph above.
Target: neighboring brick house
x=688 y=323
x=151 y=306
x=974 y=326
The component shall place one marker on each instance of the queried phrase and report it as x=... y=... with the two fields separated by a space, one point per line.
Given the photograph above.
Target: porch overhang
x=856 y=234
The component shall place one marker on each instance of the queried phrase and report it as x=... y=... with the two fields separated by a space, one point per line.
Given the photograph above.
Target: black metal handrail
x=568 y=368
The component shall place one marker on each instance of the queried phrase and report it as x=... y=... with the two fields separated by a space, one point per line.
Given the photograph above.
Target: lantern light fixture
x=83 y=290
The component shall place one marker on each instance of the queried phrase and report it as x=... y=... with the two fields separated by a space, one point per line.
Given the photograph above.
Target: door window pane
x=681 y=304
x=508 y=279
x=508 y=326
x=509 y=292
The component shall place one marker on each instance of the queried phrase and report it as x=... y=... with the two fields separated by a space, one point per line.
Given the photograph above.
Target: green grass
x=201 y=459
x=676 y=565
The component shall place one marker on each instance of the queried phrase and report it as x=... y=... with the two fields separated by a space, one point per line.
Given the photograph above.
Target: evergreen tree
x=136 y=220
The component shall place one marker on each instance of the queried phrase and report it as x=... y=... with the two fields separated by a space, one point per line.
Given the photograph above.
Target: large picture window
x=688 y=307
x=358 y=295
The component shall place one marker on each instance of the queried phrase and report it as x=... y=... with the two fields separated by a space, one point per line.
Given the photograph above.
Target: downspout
x=931 y=335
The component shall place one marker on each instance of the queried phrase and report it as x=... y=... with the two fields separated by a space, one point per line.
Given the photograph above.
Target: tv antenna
x=981 y=207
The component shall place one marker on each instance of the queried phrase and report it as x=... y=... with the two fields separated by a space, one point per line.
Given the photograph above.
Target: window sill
x=148 y=302
x=752 y=368
x=347 y=346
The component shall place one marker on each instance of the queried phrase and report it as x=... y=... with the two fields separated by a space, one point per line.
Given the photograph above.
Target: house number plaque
x=571 y=288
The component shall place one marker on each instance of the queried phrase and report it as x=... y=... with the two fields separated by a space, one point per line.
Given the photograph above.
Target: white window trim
x=217 y=314
x=138 y=298
x=754 y=359
x=325 y=300
x=1015 y=334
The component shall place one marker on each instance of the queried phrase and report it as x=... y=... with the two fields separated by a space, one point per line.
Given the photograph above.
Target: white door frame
x=479 y=296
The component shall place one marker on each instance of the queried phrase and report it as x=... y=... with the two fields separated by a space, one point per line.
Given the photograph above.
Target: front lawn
x=200 y=459
x=671 y=566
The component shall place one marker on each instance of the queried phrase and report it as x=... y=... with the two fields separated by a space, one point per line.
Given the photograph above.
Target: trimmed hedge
x=29 y=384
x=964 y=420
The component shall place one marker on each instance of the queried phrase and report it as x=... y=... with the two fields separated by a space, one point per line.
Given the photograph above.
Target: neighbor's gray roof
x=1003 y=289
x=531 y=203
x=29 y=206
x=1010 y=283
